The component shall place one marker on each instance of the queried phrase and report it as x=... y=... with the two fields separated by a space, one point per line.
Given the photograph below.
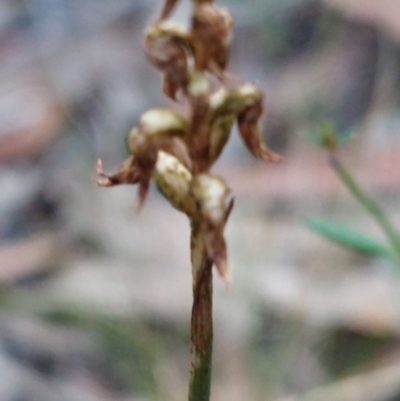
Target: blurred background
x=95 y=299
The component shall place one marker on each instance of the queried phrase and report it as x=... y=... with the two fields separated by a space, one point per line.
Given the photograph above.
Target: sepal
x=214 y=201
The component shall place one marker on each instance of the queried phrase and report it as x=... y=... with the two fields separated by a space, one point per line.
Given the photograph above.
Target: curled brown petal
x=249 y=128
x=245 y=102
x=128 y=173
x=211 y=30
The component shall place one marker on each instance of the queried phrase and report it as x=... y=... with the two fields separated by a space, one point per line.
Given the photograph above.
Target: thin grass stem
x=368 y=203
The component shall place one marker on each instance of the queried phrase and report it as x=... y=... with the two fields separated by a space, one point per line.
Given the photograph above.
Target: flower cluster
x=176 y=150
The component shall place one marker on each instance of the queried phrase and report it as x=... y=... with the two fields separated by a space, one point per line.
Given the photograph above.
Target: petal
x=171 y=86
x=159 y=129
x=128 y=173
x=144 y=185
x=249 y=128
x=163 y=122
x=245 y=102
x=216 y=249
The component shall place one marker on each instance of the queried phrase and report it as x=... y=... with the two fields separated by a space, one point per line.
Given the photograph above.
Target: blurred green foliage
x=348 y=236
x=329 y=138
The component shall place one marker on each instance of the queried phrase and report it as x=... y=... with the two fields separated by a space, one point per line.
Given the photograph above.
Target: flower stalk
x=177 y=151
x=201 y=335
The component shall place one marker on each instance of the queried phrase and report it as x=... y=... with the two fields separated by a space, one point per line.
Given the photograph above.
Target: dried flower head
x=178 y=151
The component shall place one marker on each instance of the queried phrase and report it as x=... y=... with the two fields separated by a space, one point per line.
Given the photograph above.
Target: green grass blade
x=348 y=236
x=368 y=203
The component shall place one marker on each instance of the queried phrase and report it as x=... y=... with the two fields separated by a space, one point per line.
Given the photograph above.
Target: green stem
x=369 y=204
x=201 y=337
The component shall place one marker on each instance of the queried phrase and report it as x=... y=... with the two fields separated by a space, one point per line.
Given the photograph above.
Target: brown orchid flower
x=179 y=52
x=211 y=37
x=195 y=143
x=245 y=104
x=168 y=47
x=158 y=129
x=177 y=151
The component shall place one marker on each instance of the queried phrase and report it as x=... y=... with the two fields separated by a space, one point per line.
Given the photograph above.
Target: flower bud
x=173 y=180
